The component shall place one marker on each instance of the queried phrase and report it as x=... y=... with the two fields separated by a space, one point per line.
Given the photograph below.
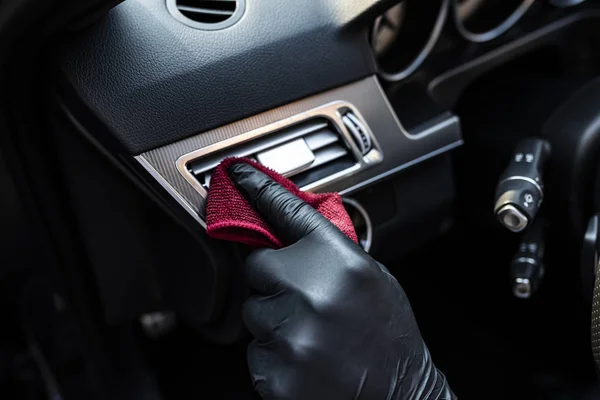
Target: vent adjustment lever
x=359 y=132
x=287 y=158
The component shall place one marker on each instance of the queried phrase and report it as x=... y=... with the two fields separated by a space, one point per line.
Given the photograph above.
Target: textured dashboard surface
x=153 y=80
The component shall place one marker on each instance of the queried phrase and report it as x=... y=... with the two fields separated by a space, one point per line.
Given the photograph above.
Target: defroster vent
x=207 y=14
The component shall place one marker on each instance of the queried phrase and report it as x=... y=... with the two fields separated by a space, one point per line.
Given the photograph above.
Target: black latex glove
x=330 y=322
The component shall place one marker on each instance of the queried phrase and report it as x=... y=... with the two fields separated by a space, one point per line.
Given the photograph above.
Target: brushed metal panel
x=400 y=147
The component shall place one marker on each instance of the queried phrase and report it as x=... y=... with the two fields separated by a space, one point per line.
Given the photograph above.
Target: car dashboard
x=411 y=110
x=356 y=97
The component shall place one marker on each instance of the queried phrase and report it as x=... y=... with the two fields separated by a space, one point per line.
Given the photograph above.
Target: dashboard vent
x=305 y=153
x=207 y=14
x=359 y=132
x=207 y=11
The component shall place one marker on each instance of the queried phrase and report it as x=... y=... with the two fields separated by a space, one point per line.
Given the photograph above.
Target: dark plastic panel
x=574 y=132
x=154 y=80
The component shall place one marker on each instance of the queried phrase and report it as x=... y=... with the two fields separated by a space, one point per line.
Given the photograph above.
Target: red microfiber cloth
x=229 y=216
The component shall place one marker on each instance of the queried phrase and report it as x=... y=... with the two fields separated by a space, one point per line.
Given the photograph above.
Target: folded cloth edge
x=226 y=225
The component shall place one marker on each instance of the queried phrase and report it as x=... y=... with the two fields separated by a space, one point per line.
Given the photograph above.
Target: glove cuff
x=428 y=383
x=441 y=389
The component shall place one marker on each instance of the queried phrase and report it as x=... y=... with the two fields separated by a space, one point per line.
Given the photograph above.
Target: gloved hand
x=330 y=322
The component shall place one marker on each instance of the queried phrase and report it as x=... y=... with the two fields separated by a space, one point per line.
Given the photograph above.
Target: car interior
x=463 y=136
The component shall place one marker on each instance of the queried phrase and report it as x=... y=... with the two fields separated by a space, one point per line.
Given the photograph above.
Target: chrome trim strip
x=431 y=42
x=527 y=260
x=511 y=211
x=526 y=179
x=349 y=190
x=332 y=111
x=402 y=149
x=565 y=3
x=170 y=189
x=392 y=171
x=236 y=15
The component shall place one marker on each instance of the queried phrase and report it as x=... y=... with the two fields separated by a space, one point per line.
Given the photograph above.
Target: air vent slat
x=205 y=11
x=259 y=145
x=328 y=154
x=324 y=151
x=313 y=175
x=358 y=131
x=321 y=138
x=304 y=129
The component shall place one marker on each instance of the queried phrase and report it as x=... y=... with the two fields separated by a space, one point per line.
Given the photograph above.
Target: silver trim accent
x=522 y=288
x=527 y=260
x=565 y=3
x=332 y=111
x=235 y=17
x=310 y=188
x=157 y=324
x=420 y=58
x=526 y=179
x=511 y=211
x=205 y=10
x=409 y=164
x=494 y=32
x=365 y=215
x=402 y=149
x=170 y=189
x=355 y=126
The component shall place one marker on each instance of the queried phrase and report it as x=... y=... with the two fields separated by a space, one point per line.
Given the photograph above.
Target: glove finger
x=290 y=217
x=264 y=271
x=298 y=267
x=263 y=364
x=274 y=378
x=265 y=316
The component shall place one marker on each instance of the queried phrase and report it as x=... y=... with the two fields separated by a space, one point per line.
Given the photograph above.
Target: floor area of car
x=486 y=342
